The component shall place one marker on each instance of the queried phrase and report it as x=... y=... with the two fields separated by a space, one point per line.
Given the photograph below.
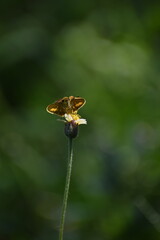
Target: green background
x=109 y=53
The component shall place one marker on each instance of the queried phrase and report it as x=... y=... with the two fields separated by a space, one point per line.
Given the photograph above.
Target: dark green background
x=109 y=53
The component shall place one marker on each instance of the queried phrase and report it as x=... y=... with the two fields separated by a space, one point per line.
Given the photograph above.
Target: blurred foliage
x=108 y=53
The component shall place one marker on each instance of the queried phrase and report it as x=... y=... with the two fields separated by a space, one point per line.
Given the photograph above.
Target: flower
x=71 y=124
x=76 y=118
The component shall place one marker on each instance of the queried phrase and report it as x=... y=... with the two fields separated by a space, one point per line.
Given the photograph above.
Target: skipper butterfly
x=66 y=105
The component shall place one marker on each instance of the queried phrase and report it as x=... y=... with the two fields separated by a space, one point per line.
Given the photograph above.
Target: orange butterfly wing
x=58 y=107
x=77 y=103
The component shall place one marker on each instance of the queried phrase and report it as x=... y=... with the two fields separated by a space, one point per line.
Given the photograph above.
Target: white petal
x=68 y=117
x=81 y=121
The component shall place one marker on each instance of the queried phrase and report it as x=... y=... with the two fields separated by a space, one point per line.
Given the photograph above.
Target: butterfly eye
x=64 y=100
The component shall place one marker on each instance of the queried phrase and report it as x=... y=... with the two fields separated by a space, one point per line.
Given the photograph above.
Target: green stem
x=66 y=191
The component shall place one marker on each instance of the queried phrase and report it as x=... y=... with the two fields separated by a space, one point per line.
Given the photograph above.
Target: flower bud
x=71 y=129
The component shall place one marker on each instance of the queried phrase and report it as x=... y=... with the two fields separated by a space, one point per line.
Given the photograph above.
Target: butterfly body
x=66 y=105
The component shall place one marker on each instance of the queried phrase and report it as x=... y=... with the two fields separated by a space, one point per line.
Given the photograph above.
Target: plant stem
x=66 y=191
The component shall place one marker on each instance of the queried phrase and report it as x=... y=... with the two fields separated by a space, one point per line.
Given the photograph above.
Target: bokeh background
x=109 y=53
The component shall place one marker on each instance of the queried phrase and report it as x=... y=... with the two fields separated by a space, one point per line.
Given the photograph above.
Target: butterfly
x=66 y=105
